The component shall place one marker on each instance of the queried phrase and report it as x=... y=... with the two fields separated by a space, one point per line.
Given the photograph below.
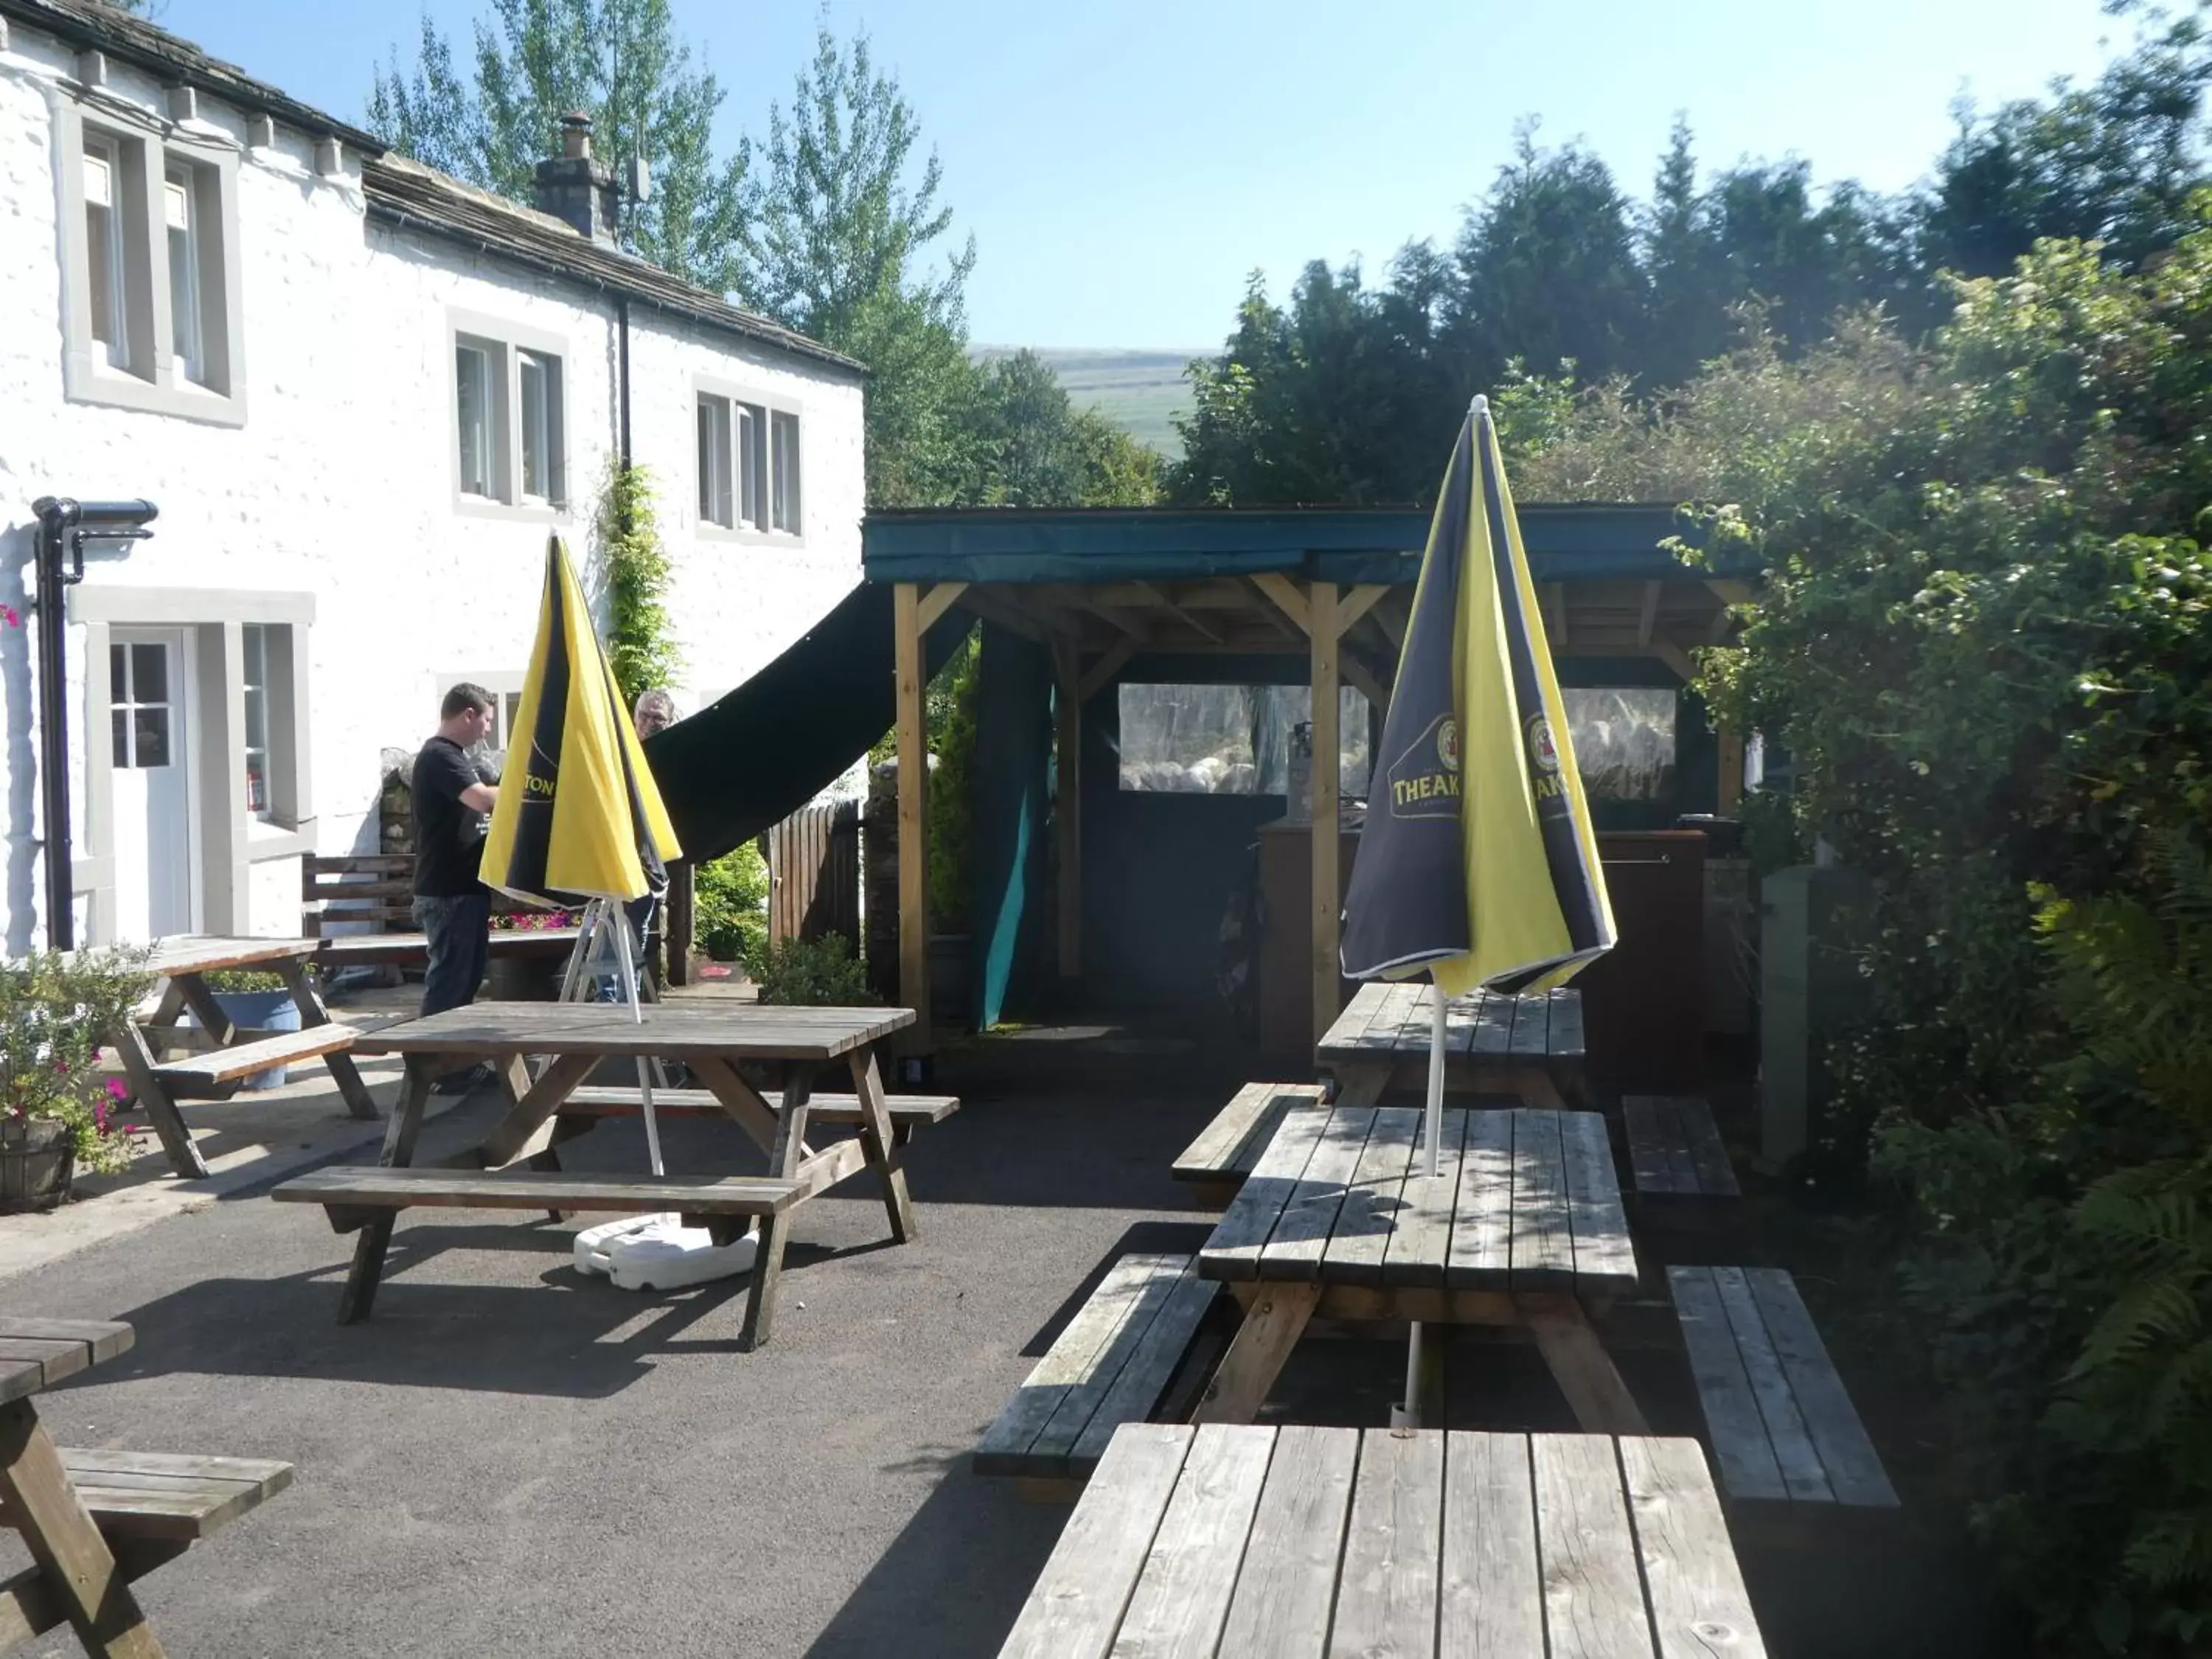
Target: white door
x=152 y=784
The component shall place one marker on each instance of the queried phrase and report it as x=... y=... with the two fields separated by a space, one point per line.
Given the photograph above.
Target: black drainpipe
x=63 y=525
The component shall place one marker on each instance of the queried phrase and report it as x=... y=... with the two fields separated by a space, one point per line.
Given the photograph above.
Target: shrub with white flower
x=55 y=1011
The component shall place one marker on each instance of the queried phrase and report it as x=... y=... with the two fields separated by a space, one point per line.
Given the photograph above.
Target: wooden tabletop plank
x=1422 y=1239
x=1294 y=1250
x=1605 y=1258
x=1490 y=1581
x=1493 y=1026
x=1386 y=1595
x=1283 y=1593
x=1081 y=1594
x=1691 y=1579
x=1233 y=1250
x=1566 y=1035
x=1854 y=1469
x=735 y=1032
x=1733 y=1423
x=1373 y=1208
x=1532 y=1027
x=1347 y=1032
x=1006 y=1444
x=1543 y=1243
x=1593 y=1591
x=1462 y=1017
x=1415 y=1006
x=1656 y=1151
x=1797 y=1454
x=32 y=1363
x=1481 y=1254
x=105 y=1338
x=1708 y=1152
x=204 y=953
x=1182 y=1599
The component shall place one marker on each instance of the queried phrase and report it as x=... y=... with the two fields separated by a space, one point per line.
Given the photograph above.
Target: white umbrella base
x=659 y=1253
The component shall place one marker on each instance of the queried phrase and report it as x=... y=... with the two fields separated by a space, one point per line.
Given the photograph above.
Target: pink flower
x=7 y=616
x=116 y=1089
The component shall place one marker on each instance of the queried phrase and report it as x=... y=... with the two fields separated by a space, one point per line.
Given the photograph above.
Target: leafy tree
x=837 y=224
x=618 y=61
x=1039 y=450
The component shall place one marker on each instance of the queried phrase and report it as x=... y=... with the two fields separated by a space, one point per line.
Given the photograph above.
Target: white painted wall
x=340 y=483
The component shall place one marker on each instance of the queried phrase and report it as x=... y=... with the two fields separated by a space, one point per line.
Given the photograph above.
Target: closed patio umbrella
x=1477 y=862
x=579 y=816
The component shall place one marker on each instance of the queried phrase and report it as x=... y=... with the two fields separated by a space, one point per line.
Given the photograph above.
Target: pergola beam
x=938 y=600
x=1649 y=618
x=1067 y=804
x=1178 y=612
x=1101 y=673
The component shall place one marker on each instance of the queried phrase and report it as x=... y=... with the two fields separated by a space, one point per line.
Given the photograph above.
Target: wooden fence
x=814 y=873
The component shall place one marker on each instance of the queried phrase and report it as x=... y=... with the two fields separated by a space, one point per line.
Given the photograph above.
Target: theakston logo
x=1543 y=759
x=1424 y=780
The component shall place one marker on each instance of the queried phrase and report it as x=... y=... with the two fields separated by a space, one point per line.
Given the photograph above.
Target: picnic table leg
x=876 y=1135
x=1359 y=1085
x=160 y=1111
x=205 y=1009
x=399 y=1134
x=784 y=1160
x=75 y=1559
x=171 y=1004
x=1272 y=1327
x=343 y=1070
x=1584 y=1370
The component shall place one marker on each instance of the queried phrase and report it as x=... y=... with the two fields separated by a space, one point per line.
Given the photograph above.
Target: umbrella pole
x=619 y=925
x=1432 y=1126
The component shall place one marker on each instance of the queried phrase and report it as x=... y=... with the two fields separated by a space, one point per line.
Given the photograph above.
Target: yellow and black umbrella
x=1478 y=861
x=578 y=815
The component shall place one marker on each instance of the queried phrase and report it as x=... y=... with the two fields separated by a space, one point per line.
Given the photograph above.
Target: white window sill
x=526 y=511
x=746 y=536
x=265 y=841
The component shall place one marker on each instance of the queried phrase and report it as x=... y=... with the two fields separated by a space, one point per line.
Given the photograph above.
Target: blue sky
x=1123 y=165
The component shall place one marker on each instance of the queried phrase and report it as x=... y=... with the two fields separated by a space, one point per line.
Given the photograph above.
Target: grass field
x=1140 y=391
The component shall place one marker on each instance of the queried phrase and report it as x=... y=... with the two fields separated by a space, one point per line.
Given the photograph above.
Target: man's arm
x=480 y=797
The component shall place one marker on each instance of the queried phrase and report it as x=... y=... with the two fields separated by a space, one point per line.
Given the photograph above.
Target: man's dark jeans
x=461 y=947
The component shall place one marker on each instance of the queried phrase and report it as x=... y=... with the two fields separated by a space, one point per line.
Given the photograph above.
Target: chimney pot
x=576 y=186
x=576 y=135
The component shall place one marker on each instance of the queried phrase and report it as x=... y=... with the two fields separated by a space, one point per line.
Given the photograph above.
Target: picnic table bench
x=1298 y=1543
x=219 y=1053
x=1521 y=1225
x=574 y=1039
x=1526 y=1046
x=95 y=1520
x=1217 y=1161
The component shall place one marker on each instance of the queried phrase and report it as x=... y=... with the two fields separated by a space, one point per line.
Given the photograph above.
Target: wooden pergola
x=1097 y=588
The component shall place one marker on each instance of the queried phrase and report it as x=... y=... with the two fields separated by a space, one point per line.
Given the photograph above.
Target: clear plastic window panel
x=1230 y=739
x=1623 y=738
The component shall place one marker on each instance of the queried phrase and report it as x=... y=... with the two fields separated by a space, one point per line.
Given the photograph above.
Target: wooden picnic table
x=1529 y=1046
x=574 y=1039
x=221 y=1053
x=1521 y=1225
x=1298 y=1543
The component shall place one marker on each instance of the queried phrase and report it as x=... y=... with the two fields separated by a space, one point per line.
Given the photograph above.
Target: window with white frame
x=253 y=675
x=749 y=466
x=151 y=309
x=510 y=421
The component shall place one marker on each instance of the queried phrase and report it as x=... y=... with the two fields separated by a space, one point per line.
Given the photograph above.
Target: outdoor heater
x=65 y=526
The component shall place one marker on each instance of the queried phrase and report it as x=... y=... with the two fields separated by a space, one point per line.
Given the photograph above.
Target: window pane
x=533 y=425
x=472 y=391
x=257 y=783
x=255 y=638
x=1624 y=739
x=752 y=440
x=149 y=673
x=118 y=675
x=119 y=719
x=714 y=460
x=787 y=472
x=184 y=272
x=1189 y=739
x=1280 y=708
x=149 y=726
x=103 y=254
x=256 y=718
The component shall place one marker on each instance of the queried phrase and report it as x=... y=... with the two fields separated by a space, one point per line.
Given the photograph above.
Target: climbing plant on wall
x=639 y=648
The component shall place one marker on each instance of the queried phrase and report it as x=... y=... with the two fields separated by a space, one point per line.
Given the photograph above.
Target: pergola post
x=913 y=781
x=1328 y=761
x=1068 y=802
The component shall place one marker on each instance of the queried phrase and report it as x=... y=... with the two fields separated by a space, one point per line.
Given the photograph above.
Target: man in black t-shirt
x=451 y=906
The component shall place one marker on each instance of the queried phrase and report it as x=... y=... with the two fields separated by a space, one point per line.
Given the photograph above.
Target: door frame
x=183 y=639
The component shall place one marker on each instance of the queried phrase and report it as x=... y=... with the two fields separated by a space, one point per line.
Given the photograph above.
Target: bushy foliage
x=55 y=1011
x=950 y=803
x=817 y=973
x=729 y=907
x=639 y=647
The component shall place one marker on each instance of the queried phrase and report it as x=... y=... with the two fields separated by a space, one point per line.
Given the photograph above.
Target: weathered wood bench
x=1786 y=1439
x=1217 y=1163
x=217 y=1072
x=353 y=1199
x=907 y=1112
x=1113 y=1364
x=150 y=1507
x=1676 y=1154
x=354 y=889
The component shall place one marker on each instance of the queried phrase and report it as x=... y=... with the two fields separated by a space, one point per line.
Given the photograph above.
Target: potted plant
x=56 y=1111
x=253 y=999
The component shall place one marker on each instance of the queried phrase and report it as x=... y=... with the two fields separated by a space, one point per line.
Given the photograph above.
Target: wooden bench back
x=353 y=888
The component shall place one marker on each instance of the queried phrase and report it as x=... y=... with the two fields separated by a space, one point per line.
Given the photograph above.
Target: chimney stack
x=573 y=186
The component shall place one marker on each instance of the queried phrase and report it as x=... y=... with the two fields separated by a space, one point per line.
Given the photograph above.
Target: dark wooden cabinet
x=1644 y=1002
x=1286 y=987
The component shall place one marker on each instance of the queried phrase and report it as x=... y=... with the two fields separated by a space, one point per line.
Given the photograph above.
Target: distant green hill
x=1140 y=391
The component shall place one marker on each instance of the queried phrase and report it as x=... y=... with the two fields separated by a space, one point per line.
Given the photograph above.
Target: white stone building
x=360 y=395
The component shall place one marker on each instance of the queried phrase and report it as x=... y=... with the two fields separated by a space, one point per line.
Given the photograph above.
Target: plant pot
x=951 y=979
x=38 y=1160
x=524 y=979
x=266 y=1011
